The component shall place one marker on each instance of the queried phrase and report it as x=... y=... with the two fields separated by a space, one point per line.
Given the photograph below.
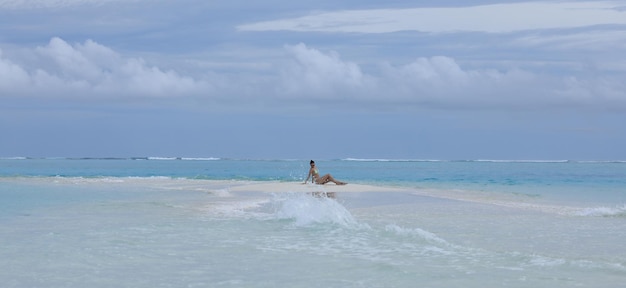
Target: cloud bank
x=89 y=70
x=306 y=75
x=440 y=81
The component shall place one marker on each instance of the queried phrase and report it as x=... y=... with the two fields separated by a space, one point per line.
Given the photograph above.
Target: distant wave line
x=114 y=158
x=481 y=160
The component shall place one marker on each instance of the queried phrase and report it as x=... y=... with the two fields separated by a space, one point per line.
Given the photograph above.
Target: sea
x=214 y=222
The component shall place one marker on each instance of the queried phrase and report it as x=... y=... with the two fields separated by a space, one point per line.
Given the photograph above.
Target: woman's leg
x=329 y=178
x=322 y=180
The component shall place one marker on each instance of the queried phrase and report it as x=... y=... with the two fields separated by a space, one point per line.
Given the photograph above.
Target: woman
x=313 y=172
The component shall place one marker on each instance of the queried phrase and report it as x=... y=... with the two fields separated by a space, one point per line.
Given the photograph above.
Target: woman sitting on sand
x=313 y=172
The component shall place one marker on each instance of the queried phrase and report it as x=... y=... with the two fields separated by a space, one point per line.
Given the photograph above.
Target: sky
x=277 y=79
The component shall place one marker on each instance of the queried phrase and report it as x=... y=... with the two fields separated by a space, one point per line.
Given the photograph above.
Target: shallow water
x=156 y=231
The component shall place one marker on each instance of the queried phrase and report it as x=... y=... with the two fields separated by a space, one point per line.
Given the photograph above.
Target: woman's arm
x=308 y=176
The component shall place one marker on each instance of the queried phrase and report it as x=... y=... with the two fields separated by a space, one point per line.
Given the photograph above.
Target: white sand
x=280 y=187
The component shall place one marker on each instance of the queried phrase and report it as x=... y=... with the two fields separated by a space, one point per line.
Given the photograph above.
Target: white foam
x=306 y=210
x=200 y=159
x=543 y=261
x=163 y=158
x=519 y=161
x=390 y=160
x=417 y=232
x=236 y=208
x=602 y=211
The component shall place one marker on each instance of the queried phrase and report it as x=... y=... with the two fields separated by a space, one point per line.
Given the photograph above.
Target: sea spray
x=307 y=209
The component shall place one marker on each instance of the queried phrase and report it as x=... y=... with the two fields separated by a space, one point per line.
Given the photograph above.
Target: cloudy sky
x=471 y=79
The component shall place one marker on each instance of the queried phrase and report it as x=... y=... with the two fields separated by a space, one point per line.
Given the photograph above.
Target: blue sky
x=313 y=79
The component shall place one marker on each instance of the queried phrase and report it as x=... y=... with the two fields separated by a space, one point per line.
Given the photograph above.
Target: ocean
x=211 y=222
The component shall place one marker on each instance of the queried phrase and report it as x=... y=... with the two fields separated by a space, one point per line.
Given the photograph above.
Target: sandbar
x=299 y=187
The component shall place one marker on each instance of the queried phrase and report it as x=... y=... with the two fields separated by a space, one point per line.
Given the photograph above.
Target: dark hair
x=311 y=162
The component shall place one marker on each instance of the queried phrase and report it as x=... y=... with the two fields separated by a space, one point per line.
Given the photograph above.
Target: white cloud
x=90 y=61
x=441 y=81
x=496 y=18
x=91 y=69
x=11 y=74
x=314 y=73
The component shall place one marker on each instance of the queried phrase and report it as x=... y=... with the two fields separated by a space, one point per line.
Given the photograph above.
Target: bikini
x=316 y=174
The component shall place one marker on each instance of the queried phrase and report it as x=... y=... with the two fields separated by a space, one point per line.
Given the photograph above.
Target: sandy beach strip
x=299 y=187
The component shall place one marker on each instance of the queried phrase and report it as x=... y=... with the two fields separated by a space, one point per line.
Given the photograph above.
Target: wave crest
x=307 y=210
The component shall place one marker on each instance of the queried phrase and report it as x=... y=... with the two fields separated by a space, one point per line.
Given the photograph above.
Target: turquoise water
x=400 y=172
x=593 y=182
x=182 y=223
